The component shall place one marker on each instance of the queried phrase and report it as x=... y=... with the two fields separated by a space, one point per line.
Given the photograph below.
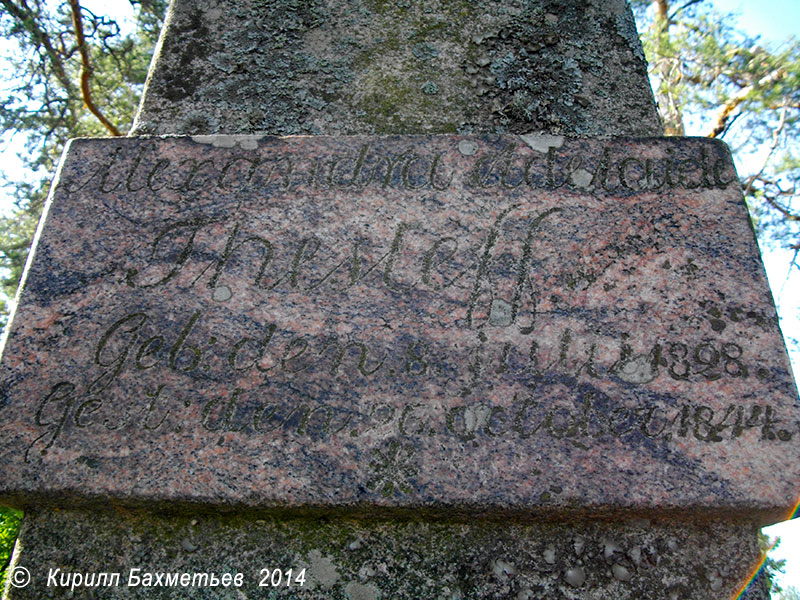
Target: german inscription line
x=135 y=343
x=611 y=169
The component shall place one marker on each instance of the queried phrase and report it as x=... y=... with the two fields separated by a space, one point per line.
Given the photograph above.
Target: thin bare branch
x=772 y=147
x=787 y=214
x=748 y=189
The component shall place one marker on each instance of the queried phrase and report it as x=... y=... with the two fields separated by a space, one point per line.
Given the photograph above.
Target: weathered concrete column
x=354 y=67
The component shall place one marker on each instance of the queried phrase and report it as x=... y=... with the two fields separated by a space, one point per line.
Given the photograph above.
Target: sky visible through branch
x=11 y=146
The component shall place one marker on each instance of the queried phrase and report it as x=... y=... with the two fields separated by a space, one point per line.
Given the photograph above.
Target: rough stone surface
x=398 y=560
x=373 y=66
x=484 y=323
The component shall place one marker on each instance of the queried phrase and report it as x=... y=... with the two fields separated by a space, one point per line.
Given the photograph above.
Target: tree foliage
x=716 y=81
x=771 y=567
x=9 y=524
x=73 y=73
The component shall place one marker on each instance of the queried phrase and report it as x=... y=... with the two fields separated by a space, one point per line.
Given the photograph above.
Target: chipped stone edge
x=541 y=142
x=245 y=142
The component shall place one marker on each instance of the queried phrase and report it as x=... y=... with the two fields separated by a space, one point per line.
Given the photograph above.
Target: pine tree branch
x=662 y=12
x=86 y=70
x=26 y=17
x=731 y=105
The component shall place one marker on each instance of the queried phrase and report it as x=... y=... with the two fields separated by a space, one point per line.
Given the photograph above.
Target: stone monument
x=385 y=300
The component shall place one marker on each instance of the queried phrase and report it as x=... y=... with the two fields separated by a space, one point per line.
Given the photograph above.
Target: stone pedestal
x=404 y=559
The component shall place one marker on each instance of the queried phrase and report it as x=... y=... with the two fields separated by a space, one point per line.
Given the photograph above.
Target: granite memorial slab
x=525 y=324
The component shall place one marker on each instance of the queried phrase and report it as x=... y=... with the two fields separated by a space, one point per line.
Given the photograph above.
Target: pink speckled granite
x=439 y=322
